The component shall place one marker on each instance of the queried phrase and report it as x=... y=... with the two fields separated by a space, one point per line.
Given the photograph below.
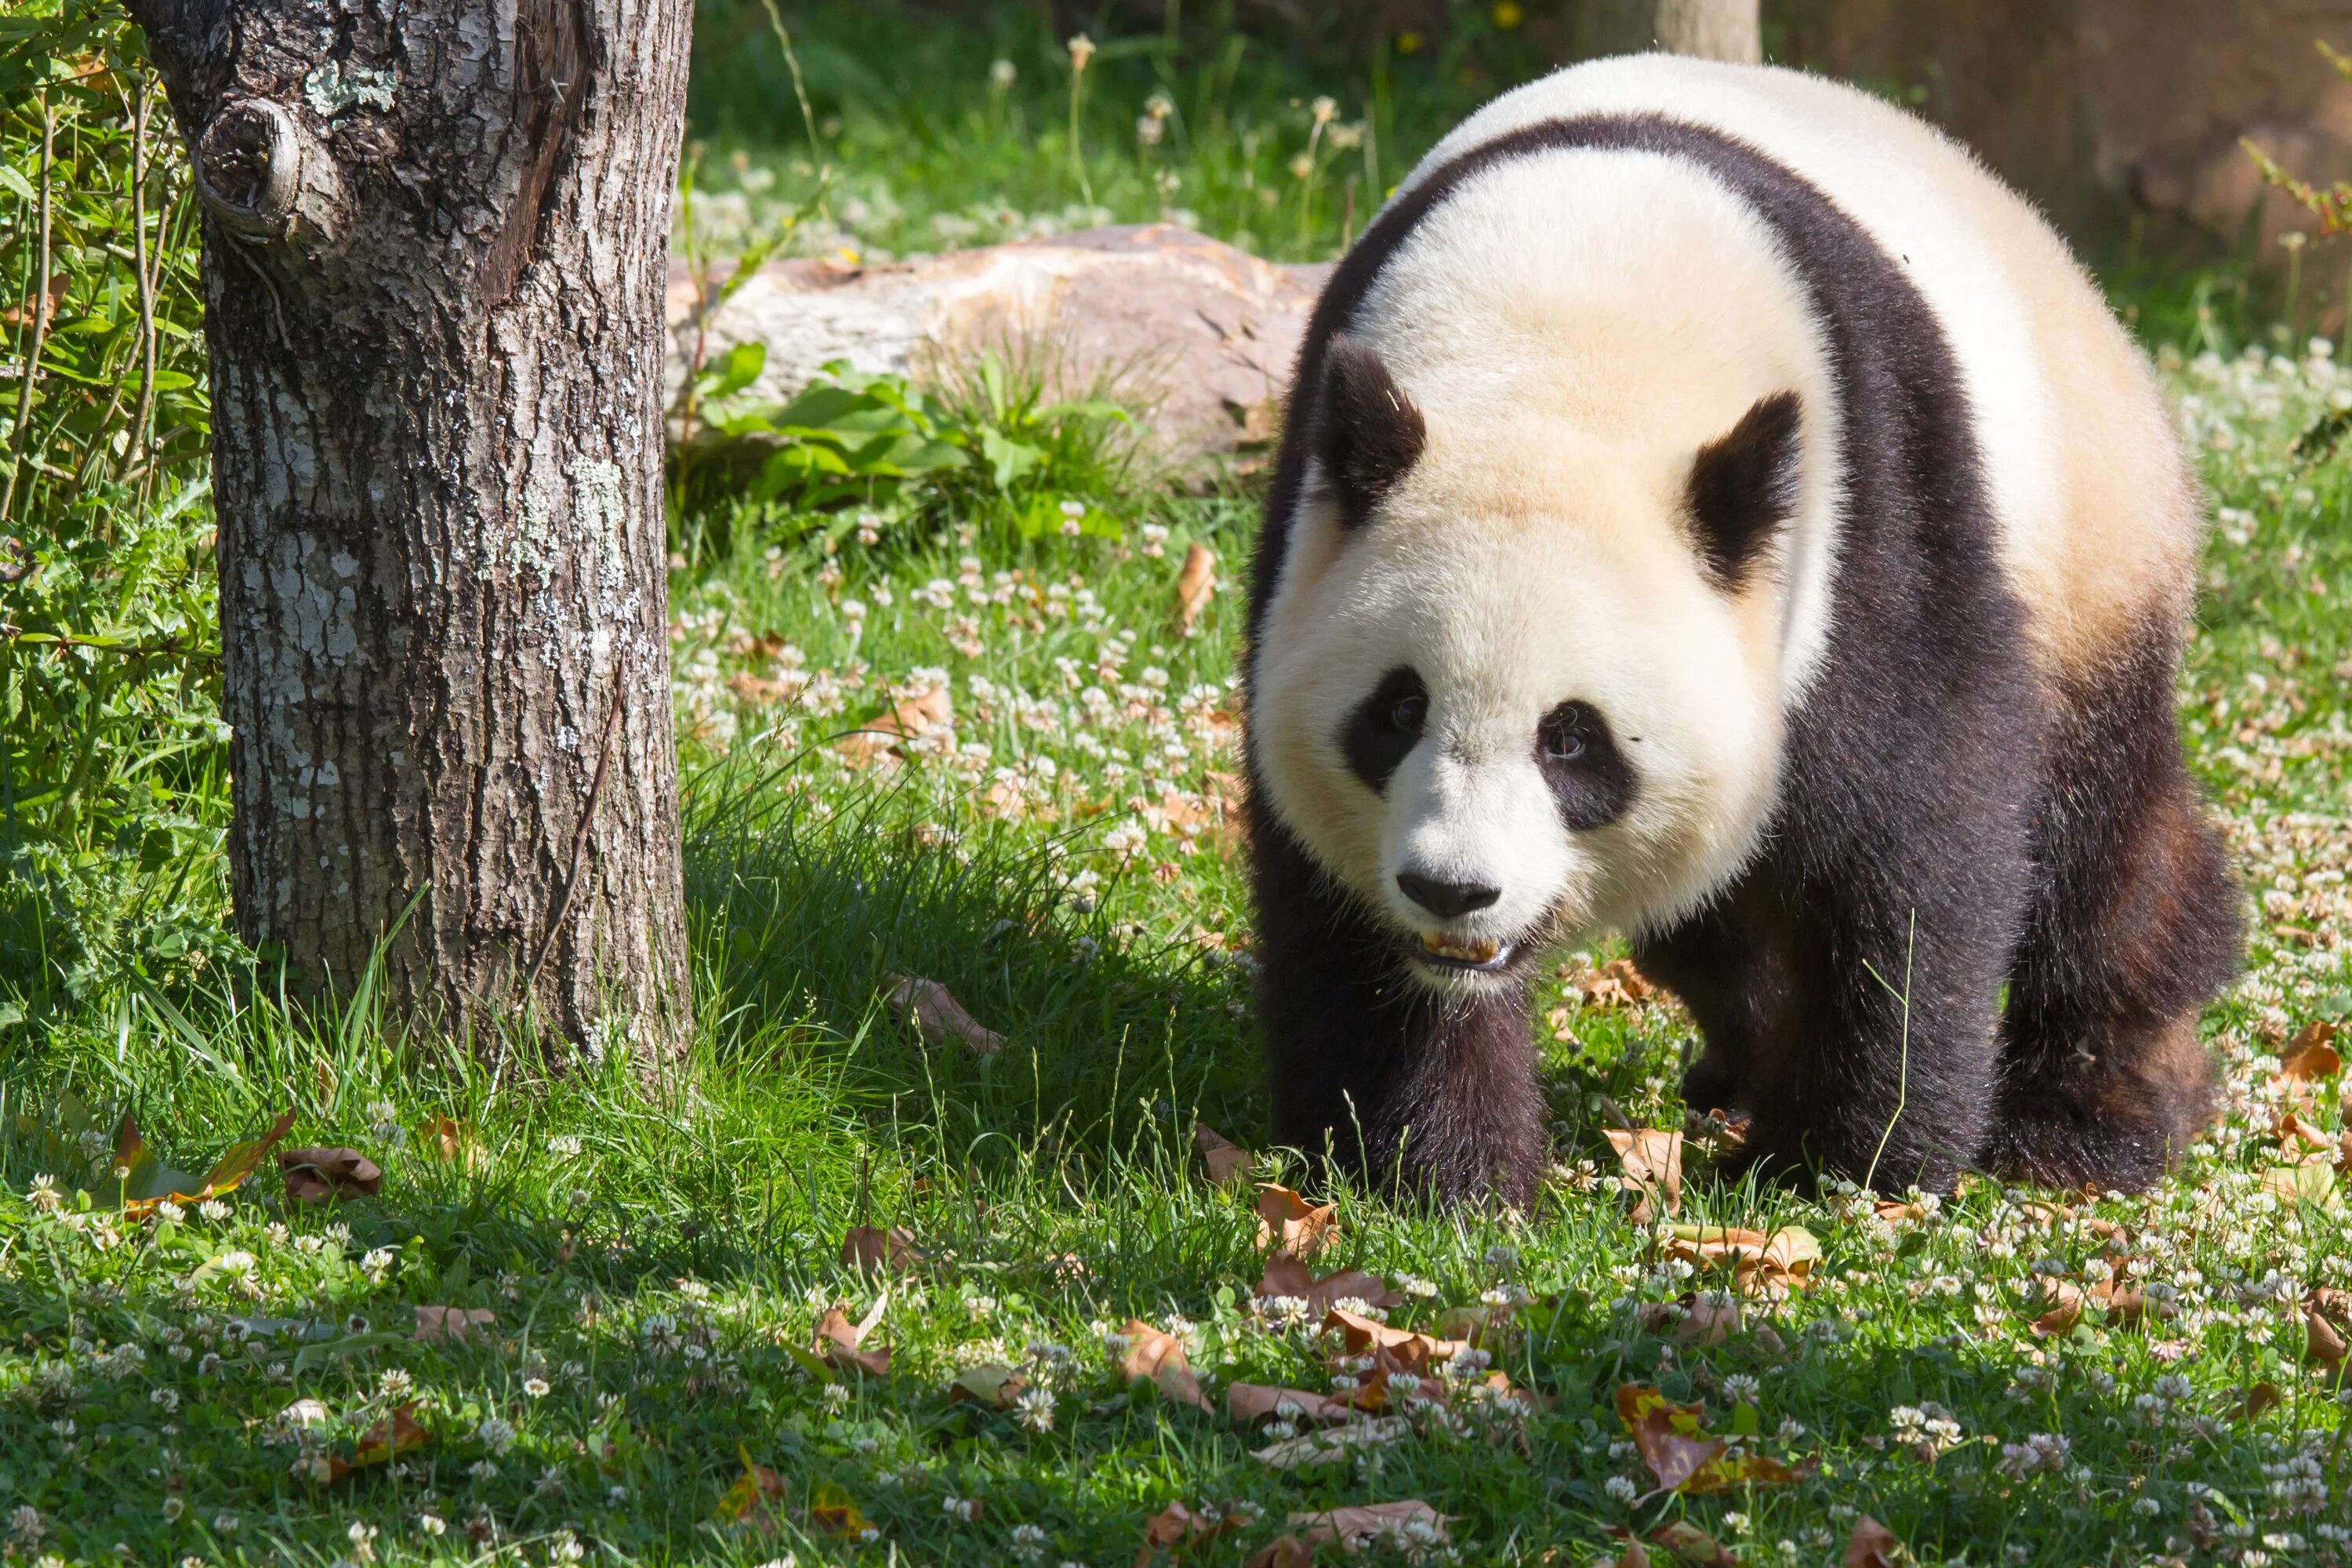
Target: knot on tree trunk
x=264 y=177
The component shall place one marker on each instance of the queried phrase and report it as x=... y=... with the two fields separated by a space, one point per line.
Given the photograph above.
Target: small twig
x=41 y=309
x=1902 y=1075
x=587 y=817
x=138 y=439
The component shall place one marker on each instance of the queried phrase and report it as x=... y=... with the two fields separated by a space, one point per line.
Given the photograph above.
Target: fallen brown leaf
x=995 y=1387
x=839 y=1341
x=1705 y=1326
x=1195 y=583
x=450 y=1140
x=2064 y=1311
x=1290 y=1222
x=2321 y=1345
x=750 y=1503
x=1690 y=1546
x=937 y=1015
x=873 y=1250
x=1652 y=1162
x=2309 y=1054
x=832 y=1511
x=2313 y=1180
x=1180 y=1528
x=1156 y=1356
x=1413 y=1350
x=1786 y=1257
x=1869 y=1545
x=1227 y=1163
x=315 y=1175
x=1249 y=1401
x=1351 y=1529
x=2294 y=1130
x=1616 y=984
x=1334 y=1443
x=1288 y=1275
x=438 y=1323
x=2247 y=1404
x=883 y=736
x=397 y=1433
x=1673 y=1442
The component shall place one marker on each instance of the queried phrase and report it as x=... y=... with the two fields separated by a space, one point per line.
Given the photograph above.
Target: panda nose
x=1447 y=899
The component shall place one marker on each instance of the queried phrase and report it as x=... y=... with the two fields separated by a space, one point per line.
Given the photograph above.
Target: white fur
x=1575 y=325
x=1573 y=345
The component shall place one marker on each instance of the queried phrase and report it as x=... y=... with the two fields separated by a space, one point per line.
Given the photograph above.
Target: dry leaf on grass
x=2322 y=1345
x=832 y=1511
x=1195 y=583
x=1616 y=984
x=1336 y=1443
x=1227 y=1163
x=1692 y=1547
x=2064 y=1309
x=2249 y=1404
x=1785 y=1256
x=1290 y=1222
x=873 y=1250
x=883 y=737
x=838 y=1341
x=151 y=1184
x=1156 y=1356
x=1412 y=1351
x=1411 y=1525
x=750 y=1503
x=435 y=1324
x=1287 y=1276
x=2294 y=1134
x=1249 y=1401
x=995 y=1387
x=1870 y=1544
x=450 y=1140
x=2310 y=1056
x=937 y=1015
x=1652 y=1162
x=1684 y=1456
x=397 y=1433
x=2311 y=1181
x=1178 y=1528
x=315 y=1175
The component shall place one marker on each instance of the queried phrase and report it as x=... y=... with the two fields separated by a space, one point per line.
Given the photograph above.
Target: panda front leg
x=1857 y=1010
x=1369 y=1069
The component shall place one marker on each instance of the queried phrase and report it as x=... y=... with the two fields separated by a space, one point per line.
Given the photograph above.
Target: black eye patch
x=1590 y=780
x=1385 y=727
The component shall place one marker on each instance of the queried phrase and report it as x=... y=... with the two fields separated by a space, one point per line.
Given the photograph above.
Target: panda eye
x=1562 y=735
x=1409 y=714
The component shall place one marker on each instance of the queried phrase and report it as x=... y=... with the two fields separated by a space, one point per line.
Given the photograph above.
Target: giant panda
x=1714 y=508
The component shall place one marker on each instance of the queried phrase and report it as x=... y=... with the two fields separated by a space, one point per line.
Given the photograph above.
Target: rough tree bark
x=436 y=245
x=1716 y=29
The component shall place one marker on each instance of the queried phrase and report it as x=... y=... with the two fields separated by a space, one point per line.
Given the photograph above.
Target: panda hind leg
x=2132 y=925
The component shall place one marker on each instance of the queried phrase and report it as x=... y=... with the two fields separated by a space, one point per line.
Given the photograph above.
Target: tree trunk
x=436 y=244
x=1716 y=29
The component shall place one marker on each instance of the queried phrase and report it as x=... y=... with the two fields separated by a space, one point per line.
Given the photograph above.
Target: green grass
x=657 y=1250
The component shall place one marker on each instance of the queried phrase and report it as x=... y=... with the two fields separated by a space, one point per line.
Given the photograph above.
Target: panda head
x=1521 y=674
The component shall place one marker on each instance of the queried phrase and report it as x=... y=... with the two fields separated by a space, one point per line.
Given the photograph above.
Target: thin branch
x=40 y=302
x=141 y=438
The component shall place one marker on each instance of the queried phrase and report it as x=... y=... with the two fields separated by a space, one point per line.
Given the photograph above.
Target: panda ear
x=1743 y=485
x=1366 y=433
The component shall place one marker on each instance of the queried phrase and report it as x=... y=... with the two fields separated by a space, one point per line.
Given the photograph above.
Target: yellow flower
x=1506 y=15
x=1408 y=42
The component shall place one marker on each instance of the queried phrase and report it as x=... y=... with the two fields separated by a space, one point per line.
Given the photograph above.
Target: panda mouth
x=1474 y=955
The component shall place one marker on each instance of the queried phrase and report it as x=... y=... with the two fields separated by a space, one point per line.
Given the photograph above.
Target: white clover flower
x=225 y=1523
x=535 y=1387
x=1621 y=1488
x=1035 y=1409
x=564 y=1145
x=1028 y=1542
x=495 y=1434
x=431 y=1524
x=213 y=1209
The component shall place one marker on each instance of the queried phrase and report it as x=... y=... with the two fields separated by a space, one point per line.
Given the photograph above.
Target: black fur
x=1367 y=431
x=1744 y=487
x=1385 y=727
x=1945 y=823
x=1590 y=780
